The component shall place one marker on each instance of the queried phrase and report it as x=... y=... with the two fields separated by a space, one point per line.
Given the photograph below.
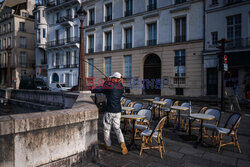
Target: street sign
x=15 y=80
x=225 y=67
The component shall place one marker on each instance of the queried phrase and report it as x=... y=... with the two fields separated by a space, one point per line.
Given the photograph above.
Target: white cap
x=116 y=75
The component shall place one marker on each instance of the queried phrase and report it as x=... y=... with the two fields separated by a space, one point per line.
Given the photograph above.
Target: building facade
x=156 y=44
x=17 y=32
x=232 y=23
x=57 y=40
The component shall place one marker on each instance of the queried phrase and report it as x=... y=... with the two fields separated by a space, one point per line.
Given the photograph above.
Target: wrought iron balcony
x=64 y=41
x=107 y=48
x=152 y=6
x=180 y=38
x=128 y=13
x=151 y=42
x=127 y=45
x=108 y=18
x=238 y=43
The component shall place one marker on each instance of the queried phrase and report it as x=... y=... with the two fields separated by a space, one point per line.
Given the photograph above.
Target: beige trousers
x=109 y=120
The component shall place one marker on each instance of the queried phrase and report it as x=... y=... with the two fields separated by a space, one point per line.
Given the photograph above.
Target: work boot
x=108 y=148
x=124 y=148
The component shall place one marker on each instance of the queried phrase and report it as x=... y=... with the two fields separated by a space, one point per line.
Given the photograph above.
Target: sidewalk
x=179 y=152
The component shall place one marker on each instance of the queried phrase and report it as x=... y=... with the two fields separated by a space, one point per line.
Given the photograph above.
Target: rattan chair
x=127 y=102
x=138 y=107
x=155 y=135
x=230 y=129
x=123 y=102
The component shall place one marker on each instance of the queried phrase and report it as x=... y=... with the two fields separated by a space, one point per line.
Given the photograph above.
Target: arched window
x=55 y=78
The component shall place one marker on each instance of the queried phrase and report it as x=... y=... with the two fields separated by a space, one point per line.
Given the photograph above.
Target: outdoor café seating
x=127 y=102
x=151 y=136
x=230 y=129
x=137 y=107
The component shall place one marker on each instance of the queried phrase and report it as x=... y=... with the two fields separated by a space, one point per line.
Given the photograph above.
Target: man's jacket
x=113 y=92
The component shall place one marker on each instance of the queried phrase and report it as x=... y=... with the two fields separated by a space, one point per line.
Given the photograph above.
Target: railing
x=179 y=80
x=5 y=32
x=62 y=41
x=66 y=66
x=91 y=22
x=128 y=45
x=22 y=29
x=91 y=50
x=152 y=6
x=238 y=43
x=180 y=38
x=231 y=2
x=180 y=1
x=107 y=48
x=128 y=13
x=73 y=65
x=108 y=18
x=151 y=42
x=64 y=18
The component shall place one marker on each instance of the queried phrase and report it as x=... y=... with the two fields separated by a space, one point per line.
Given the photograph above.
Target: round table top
x=127 y=108
x=148 y=99
x=133 y=116
x=159 y=102
x=202 y=116
x=179 y=108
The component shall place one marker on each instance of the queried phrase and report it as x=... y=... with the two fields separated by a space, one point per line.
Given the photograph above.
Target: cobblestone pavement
x=179 y=151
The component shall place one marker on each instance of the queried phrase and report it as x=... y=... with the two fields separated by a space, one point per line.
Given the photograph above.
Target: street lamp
x=8 y=49
x=81 y=14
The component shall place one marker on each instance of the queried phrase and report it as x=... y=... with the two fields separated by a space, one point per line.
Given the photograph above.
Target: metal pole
x=8 y=70
x=81 y=77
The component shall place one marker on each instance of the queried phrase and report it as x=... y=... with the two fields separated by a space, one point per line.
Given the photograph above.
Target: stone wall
x=65 y=137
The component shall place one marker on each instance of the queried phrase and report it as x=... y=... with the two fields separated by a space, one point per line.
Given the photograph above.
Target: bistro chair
x=211 y=126
x=127 y=102
x=166 y=107
x=150 y=136
x=230 y=129
x=184 y=116
x=122 y=98
x=137 y=106
x=172 y=113
x=142 y=124
x=123 y=101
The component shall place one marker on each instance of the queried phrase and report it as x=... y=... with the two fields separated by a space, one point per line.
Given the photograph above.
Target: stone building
x=57 y=40
x=17 y=31
x=233 y=23
x=156 y=44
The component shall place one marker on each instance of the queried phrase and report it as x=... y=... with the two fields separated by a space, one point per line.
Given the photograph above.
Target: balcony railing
x=181 y=38
x=107 y=48
x=62 y=41
x=238 y=43
x=151 y=42
x=179 y=80
x=108 y=18
x=152 y=6
x=91 y=22
x=128 y=45
x=91 y=50
x=128 y=13
x=73 y=65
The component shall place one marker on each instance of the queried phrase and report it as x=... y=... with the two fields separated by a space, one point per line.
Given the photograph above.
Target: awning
x=238 y=59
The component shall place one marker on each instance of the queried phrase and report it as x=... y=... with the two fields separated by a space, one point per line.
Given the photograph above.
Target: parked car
x=33 y=83
x=59 y=87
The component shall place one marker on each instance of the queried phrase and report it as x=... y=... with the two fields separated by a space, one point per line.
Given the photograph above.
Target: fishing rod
x=95 y=68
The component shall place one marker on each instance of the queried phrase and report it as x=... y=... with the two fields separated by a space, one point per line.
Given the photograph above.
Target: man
x=113 y=89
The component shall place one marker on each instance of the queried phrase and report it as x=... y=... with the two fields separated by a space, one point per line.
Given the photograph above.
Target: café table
x=159 y=103
x=202 y=117
x=128 y=109
x=179 y=109
x=149 y=100
x=134 y=118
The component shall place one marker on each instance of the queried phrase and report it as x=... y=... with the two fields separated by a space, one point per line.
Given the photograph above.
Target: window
x=4 y=43
x=68 y=56
x=91 y=68
x=38 y=35
x=57 y=59
x=9 y=41
x=23 y=59
x=152 y=5
x=231 y=2
x=67 y=31
x=91 y=16
x=108 y=37
x=179 y=1
x=22 y=42
x=57 y=17
x=9 y=27
x=21 y=26
x=214 y=38
x=128 y=66
x=75 y=57
x=57 y=37
x=38 y=16
x=68 y=13
x=107 y=66
x=180 y=29
x=108 y=15
x=234 y=30
x=179 y=63
x=76 y=30
x=91 y=44
x=214 y=2
x=44 y=33
x=24 y=14
x=4 y=28
x=129 y=8
x=128 y=38
x=152 y=34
